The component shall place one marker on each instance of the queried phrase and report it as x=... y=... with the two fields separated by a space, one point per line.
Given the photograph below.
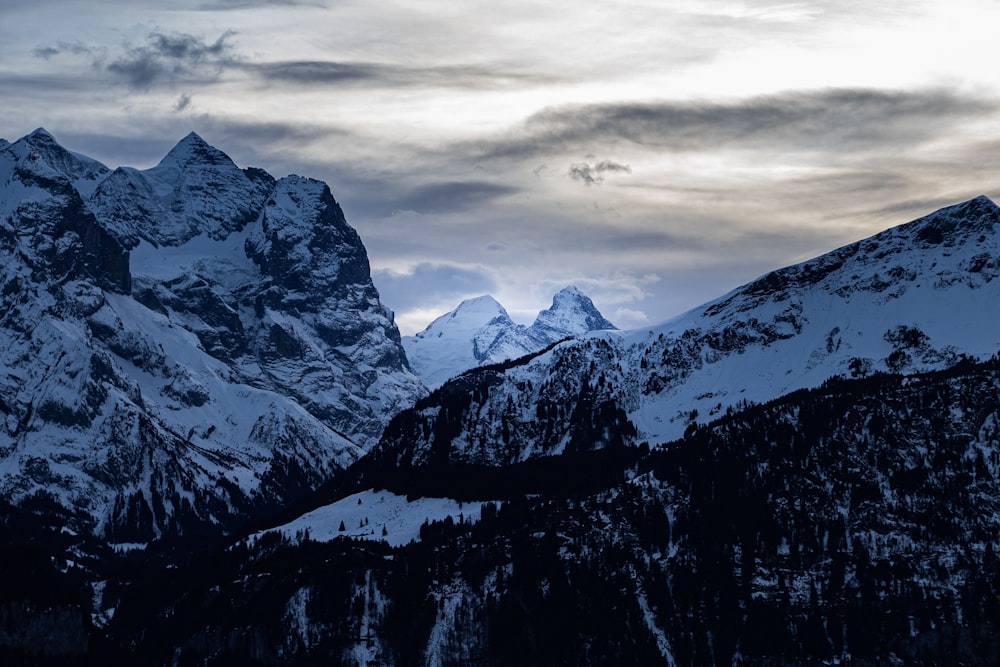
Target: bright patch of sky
x=656 y=154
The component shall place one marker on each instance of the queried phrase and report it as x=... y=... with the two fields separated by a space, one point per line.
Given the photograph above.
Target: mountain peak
x=481 y=304
x=947 y=225
x=195 y=189
x=192 y=149
x=572 y=312
x=41 y=133
x=466 y=318
x=41 y=148
x=480 y=331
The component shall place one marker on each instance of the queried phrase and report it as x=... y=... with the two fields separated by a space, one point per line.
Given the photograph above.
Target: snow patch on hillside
x=365 y=514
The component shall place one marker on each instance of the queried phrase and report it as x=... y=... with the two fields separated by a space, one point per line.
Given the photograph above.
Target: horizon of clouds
x=653 y=171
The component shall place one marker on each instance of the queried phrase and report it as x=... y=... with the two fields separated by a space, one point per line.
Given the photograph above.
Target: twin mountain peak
x=480 y=331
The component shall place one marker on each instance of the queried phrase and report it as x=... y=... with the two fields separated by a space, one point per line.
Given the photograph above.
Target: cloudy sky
x=654 y=153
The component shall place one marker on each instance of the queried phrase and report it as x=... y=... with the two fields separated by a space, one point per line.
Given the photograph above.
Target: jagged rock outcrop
x=184 y=345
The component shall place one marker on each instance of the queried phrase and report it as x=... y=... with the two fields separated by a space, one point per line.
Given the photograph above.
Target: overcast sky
x=655 y=153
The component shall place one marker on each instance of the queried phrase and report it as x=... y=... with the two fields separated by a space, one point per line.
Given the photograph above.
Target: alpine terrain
x=479 y=331
x=184 y=344
x=215 y=452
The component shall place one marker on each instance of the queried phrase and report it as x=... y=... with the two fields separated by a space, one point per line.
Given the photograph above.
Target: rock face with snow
x=479 y=331
x=163 y=375
x=182 y=344
x=913 y=298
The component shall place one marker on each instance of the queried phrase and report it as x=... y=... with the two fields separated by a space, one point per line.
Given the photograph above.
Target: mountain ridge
x=479 y=331
x=187 y=344
x=908 y=299
x=802 y=471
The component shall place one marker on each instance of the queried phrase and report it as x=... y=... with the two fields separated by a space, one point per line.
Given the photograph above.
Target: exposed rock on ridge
x=235 y=358
x=906 y=300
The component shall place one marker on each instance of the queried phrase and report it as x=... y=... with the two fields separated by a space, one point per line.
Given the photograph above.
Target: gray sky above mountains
x=656 y=154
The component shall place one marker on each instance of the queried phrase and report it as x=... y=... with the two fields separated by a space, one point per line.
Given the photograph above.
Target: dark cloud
x=183 y=102
x=594 y=174
x=327 y=73
x=45 y=52
x=452 y=196
x=165 y=58
x=222 y=5
x=379 y=195
x=169 y=57
x=52 y=50
x=309 y=72
x=430 y=284
x=813 y=120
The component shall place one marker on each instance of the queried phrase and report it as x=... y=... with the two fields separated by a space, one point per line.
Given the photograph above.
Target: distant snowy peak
x=479 y=331
x=572 y=313
x=470 y=316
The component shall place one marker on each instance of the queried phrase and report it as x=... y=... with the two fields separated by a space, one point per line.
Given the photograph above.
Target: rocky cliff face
x=183 y=345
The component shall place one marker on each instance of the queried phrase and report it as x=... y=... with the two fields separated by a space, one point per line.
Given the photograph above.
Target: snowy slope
x=479 y=331
x=366 y=513
x=235 y=358
x=911 y=298
x=915 y=297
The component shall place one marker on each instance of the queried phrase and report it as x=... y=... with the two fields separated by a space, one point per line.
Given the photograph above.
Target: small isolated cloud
x=171 y=57
x=594 y=174
x=52 y=50
x=183 y=102
x=45 y=52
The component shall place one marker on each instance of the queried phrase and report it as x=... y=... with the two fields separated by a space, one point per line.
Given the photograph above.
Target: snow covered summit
x=479 y=331
x=184 y=345
x=572 y=312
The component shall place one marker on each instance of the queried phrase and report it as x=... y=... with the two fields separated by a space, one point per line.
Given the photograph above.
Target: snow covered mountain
x=913 y=298
x=479 y=331
x=182 y=344
x=168 y=370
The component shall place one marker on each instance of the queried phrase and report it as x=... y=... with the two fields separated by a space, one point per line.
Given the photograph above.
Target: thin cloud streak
x=858 y=120
x=320 y=73
x=237 y=5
